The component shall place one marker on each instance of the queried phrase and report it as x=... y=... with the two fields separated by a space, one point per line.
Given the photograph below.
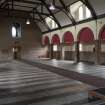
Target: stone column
x=48 y=51
x=51 y=51
x=61 y=51
x=77 y=52
x=97 y=52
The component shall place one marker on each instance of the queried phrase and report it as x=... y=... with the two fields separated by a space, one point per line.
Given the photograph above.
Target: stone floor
x=85 y=72
x=24 y=84
x=86 y=68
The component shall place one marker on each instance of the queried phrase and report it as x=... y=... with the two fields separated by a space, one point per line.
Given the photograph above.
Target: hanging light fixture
x=52 y=7
x=27 y=21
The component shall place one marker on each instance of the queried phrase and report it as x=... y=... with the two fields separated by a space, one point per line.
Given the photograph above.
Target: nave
x=24 y=84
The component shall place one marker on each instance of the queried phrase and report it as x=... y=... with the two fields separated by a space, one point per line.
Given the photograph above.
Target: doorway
x=68 y=46
x=86 y=45
x=17 y=52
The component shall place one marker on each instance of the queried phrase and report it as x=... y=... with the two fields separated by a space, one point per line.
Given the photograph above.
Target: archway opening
x=102 y=45
x=86 y=45
x=46 y=41
x=68 y=46
x=55 y=46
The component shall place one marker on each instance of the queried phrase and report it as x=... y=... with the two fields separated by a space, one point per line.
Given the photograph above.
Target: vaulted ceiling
x=38 y=10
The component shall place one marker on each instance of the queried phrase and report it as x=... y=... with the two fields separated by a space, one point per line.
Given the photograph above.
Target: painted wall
x=87 y=53
x=30 y=42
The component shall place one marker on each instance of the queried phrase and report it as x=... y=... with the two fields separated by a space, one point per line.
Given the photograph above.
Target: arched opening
x=46 y=43
x=102 y=45
x=68 y=46
x=86 y=45
x=55 y=46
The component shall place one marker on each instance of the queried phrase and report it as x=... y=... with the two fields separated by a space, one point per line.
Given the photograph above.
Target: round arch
x=55 y=40
x=85 y=35
x=101 y=36
x=68 y=38
x=46 y=40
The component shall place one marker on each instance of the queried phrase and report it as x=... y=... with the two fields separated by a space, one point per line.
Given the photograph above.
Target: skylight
x=80 y=11
x=51 y=23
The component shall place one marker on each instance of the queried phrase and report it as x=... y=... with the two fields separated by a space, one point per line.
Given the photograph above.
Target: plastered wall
x=29 y=42
x=93 y=25
x=87 y=52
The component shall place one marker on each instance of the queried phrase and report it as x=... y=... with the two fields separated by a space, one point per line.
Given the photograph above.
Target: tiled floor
x=24 y=84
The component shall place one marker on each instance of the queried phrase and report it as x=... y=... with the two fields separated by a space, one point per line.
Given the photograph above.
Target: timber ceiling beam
x=27 y=2
x=51 y=13
x=24 y=11
x=67 y=12
x=43 y=20
x=88 y=4
x=3 y=3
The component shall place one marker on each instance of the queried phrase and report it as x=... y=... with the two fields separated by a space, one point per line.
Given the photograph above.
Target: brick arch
x=46 y=40
x=102 y=34
x=85 y=35
x=55 y=39
x=68 y=38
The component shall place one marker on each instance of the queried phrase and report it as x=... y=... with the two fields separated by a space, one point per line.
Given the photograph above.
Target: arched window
x=51 y=23
x=81 y=14
x=88 y=13
x=13 y=31
x=16 y=30
x=80 y=11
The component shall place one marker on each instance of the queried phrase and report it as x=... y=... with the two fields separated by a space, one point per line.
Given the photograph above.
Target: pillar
x=97 y=52
x=51 y=51
x=61 y=51
x=77 y=52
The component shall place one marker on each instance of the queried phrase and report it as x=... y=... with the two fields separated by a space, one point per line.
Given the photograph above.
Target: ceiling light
x=52 y=7
x=28 y=21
